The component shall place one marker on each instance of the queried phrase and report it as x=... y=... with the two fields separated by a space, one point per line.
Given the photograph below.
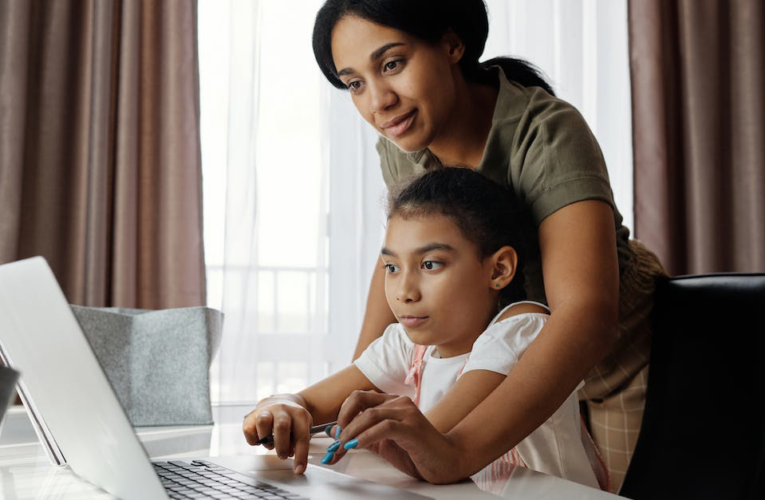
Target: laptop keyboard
x=201 y=479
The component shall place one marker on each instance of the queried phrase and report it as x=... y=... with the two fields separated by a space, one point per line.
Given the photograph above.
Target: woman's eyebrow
x=373 y=57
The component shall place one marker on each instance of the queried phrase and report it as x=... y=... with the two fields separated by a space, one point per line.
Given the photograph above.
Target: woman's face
x=404 y=87
x=436 y=284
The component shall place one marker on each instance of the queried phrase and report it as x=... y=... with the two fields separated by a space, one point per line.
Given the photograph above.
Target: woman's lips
x=412 y=321
x=398 y=126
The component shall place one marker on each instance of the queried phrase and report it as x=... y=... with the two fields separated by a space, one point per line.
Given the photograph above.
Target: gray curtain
x=100 y=163
x=698 y=78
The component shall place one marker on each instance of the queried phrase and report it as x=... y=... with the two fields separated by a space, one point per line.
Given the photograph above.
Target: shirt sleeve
x=561 y=160
x=500 y=347
x=386 y=361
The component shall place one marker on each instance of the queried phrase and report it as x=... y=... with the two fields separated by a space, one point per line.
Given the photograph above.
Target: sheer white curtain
x=293 y=190
x=292 y=200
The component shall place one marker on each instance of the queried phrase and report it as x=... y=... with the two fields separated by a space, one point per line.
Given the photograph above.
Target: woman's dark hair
x=427 y=20
x=485 y=212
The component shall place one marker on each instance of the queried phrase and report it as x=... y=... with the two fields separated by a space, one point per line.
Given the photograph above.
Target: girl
x=452 y=257
x=413 y=71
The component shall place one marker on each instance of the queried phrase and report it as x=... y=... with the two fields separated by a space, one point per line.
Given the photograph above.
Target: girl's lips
x=401 y=127
x=412 y=321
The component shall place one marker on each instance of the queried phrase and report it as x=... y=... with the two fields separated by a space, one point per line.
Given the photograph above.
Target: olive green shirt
x=541 y=148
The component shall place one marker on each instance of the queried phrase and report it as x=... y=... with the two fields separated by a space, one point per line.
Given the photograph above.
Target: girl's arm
x=581 y=273
x=377 y=315
x=289 y=417
x=475 y=385
x=323 y=399
x=578 y=246
x=467 y=393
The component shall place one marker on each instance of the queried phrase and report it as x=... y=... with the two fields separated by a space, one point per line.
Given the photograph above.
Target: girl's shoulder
x=519 y=308
x=511 y=332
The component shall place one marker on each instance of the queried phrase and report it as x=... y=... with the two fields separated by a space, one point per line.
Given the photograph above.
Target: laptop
x=81 y=422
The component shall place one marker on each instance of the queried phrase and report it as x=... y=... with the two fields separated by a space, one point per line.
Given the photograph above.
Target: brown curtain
x=698 y=79
x=100 y=164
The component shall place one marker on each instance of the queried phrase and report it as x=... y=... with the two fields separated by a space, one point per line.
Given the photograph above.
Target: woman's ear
x=454 y=46
x=503 y=263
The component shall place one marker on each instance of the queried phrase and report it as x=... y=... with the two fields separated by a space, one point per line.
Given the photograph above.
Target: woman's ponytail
x=520 y=71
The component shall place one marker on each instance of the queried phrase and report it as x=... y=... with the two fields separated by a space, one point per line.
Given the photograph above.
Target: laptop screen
x=64 y=385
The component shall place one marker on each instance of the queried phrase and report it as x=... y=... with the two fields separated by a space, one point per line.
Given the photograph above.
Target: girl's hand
x=288 y=421
x=394 y=428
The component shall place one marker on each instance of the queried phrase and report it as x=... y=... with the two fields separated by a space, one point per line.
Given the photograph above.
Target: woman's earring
x=496 y=285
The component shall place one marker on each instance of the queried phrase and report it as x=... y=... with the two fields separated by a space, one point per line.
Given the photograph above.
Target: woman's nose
x=383 y=98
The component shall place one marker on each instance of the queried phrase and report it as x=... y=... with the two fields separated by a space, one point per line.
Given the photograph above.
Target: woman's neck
x=463 y=139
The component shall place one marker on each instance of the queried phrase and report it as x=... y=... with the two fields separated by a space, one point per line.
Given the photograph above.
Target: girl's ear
x=504 y=262
x=454 y=46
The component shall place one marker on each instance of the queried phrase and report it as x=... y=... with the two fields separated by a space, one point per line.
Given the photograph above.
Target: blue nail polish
x=337 y=432
x=334 y=446
x=351 y=444
x=327 y=458
x=328 y=430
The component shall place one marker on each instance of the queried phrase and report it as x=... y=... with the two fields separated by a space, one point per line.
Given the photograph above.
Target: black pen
x=314 y=430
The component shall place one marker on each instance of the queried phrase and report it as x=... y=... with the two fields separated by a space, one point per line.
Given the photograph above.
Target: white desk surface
x=25 y=472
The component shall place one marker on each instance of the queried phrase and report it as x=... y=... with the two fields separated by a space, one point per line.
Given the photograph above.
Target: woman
x=413 y=71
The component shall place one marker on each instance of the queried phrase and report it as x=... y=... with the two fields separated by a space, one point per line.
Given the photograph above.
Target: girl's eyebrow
x=424 y=249
x=373 y=57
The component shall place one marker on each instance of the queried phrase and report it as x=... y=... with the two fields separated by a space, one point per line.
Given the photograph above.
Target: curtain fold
x=698 y=123
x=100 y=163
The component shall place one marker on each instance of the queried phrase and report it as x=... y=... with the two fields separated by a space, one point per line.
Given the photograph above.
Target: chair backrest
x=703 y=431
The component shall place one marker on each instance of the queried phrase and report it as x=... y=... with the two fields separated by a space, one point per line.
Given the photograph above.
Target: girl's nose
x=408 y=291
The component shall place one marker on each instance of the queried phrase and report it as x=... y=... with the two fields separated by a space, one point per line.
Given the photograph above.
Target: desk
x=25 y=472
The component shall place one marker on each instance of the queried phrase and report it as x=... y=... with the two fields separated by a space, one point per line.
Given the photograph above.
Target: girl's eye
x=391 y=268
x=432 y=265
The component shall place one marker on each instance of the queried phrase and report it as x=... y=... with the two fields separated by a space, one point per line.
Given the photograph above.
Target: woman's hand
x=287 y=419
x=394 y=428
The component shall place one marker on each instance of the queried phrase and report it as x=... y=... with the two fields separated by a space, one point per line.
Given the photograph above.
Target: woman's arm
x=579 y=261
x=378 y=314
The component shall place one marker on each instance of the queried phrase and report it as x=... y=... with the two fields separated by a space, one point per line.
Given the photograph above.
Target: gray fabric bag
x=158 y=362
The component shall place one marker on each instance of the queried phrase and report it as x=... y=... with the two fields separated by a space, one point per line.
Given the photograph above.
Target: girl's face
x=436 y=284
x=404 y=87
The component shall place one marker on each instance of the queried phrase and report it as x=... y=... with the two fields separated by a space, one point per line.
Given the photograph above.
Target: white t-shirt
x=554 y=448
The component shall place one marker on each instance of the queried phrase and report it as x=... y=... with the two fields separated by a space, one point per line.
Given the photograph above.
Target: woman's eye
x=354 y=86
x=431 y=265
x=392 y=65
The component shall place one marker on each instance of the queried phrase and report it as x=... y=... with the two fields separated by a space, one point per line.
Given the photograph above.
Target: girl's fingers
x=282 y=431
x=301 y=432
x=249 y=428
x=261 y=423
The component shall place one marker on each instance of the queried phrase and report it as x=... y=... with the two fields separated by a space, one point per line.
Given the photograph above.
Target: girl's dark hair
x=427 y=20
x=485 y=212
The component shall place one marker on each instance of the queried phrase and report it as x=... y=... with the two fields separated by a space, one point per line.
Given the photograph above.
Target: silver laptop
x=79 y=417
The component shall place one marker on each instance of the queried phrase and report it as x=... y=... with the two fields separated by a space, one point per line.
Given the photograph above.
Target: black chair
x=703 y=431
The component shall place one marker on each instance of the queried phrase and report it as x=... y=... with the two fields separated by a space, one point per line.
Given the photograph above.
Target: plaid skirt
x=614 y=391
